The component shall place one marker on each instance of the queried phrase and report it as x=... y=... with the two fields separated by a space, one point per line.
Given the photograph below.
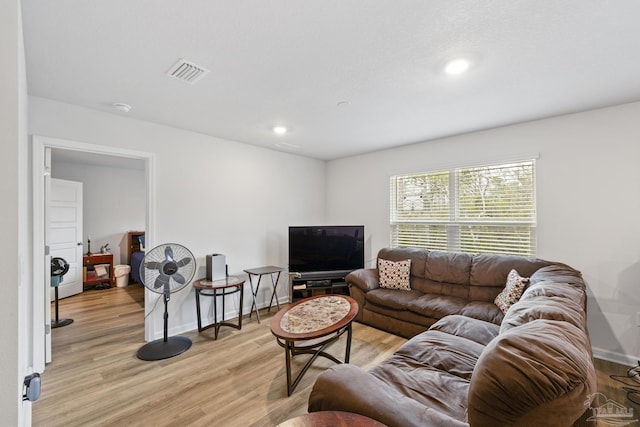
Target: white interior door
x=64 y=229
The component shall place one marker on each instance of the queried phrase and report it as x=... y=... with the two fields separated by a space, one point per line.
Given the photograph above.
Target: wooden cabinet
x=133 y=244
x=97 y=271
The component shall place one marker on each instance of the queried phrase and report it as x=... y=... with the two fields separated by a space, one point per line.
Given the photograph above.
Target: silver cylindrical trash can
x=122 y=275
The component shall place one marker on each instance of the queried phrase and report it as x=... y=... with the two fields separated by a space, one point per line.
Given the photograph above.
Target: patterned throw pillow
x=511 y=292
x=394 y=275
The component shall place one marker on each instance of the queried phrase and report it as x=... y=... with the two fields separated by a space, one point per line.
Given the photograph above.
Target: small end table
x=215 y=289
x=271 y=270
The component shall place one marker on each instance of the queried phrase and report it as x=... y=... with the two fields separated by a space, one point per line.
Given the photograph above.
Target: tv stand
x=317 y=283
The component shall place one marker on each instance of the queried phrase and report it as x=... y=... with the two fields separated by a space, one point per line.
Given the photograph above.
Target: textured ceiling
x=346 y=76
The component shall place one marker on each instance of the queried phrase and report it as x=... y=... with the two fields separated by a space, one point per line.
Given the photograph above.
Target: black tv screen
x=336 y=248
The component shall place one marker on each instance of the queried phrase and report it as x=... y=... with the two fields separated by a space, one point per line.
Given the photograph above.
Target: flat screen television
x=316 y=251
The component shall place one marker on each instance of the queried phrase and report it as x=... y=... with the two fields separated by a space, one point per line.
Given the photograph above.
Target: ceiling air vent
x=187 y=71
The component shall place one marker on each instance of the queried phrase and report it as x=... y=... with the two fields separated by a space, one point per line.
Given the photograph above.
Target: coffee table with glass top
x=309 y=326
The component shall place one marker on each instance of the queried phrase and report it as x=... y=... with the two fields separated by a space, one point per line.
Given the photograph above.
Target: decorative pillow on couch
x=394 y=275
x=511 y=292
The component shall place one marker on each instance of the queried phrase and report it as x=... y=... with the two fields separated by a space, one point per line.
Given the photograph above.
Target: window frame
x=451 y=239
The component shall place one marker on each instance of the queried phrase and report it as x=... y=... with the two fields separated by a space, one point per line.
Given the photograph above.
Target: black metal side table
x=274 y=273
x=215 y=289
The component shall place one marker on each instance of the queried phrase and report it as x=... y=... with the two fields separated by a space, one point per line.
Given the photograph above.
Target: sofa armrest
x=350 y=388
x=364 y=279
x=525 y=374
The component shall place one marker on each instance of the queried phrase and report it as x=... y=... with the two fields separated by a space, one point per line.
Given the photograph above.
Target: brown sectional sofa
x=467 y=363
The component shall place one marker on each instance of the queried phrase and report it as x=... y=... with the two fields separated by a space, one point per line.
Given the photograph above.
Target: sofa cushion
x=450 y=267
x=492 y=269
x=439 y=350
x=418 y=258
x=405 y=323
x=485 y=293
x=561 y=273
x=472 y=329
x=553 y=289
x=436 y=306
x=392 y=298
x=425 y=285
x=347 y=387
x=483 y=310
x=394 y=274
x=423 y=384
x=512 y=291
x=551 y=308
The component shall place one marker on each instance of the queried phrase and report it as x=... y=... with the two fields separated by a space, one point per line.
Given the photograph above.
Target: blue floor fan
x=166 y=269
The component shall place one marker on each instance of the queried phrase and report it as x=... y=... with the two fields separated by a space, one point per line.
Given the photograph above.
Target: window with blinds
x=488 y=209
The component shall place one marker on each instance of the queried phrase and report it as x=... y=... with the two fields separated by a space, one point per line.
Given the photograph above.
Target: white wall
x=14 y=307
x=26 y=343
x=113 y=203
x=212 y=195
x=588 y=195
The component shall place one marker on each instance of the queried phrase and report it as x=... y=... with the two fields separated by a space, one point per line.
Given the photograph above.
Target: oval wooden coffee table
x=331 y=418
x=313 y=323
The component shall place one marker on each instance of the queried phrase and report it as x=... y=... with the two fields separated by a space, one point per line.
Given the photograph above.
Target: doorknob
x=79 y=243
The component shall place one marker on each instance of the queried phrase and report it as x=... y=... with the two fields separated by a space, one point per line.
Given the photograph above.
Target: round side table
x=333 y=419
x=215 y=289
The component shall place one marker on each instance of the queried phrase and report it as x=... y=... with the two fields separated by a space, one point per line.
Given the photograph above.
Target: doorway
x=41 y=182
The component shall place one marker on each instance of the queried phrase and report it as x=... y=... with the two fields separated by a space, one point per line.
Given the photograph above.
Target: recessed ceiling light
x=125 y=108
x=457 y=66
x=280 y=130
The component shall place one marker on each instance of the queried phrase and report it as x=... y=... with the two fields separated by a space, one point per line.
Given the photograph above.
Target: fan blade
x=179 y=278
x=162 y=280
x=153 y=265
x=168 y=253
x=184 y=261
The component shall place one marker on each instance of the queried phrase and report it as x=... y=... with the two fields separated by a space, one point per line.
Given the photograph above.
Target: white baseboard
x=623 y=359
x=230 y=314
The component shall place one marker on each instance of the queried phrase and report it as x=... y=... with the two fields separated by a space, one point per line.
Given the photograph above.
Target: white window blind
x=488 y=209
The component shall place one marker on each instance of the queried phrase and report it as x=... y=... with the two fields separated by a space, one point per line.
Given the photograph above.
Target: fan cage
x=159 y=255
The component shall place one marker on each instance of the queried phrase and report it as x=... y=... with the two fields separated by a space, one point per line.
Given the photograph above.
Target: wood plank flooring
x=615 y=385
x=95 y=378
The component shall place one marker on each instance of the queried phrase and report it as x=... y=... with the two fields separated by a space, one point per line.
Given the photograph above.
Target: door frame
x=39 y=145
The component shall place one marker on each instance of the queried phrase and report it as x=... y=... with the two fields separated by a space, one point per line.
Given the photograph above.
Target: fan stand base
x=60 y=323
x=161 y=349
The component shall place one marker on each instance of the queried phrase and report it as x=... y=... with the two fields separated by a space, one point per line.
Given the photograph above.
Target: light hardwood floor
x=239 y=380
x=95 y=378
